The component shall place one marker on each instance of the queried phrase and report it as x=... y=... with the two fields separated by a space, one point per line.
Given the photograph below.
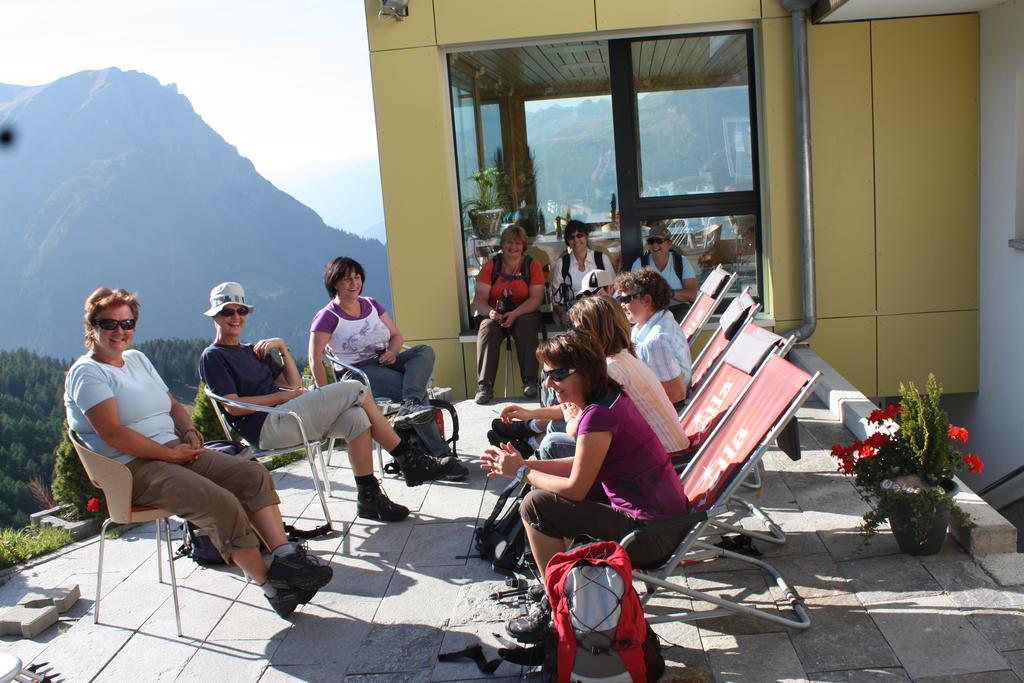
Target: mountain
x=116 y=181
x=359 y=210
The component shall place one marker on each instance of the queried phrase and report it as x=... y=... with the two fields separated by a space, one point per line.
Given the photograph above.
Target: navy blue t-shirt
x=238 y=370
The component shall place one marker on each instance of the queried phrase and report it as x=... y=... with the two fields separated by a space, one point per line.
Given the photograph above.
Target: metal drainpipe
x=798 y=9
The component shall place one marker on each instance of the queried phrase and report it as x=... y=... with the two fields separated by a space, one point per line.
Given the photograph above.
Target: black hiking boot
x=524 y=448
x=516 y=429
x=412 y=413
x=418 y=467
x=285 y=601
x=375 y=504
x=532 y=627
x=299 y=570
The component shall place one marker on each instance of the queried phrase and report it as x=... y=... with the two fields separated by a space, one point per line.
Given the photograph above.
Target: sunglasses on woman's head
x=656 y=240
x=111 y=324
x=626 y=298
x=228 y=312
x=558 y=374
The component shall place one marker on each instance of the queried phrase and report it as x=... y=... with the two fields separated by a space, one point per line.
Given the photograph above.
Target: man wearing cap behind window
x=257 y=373
x=670 y=264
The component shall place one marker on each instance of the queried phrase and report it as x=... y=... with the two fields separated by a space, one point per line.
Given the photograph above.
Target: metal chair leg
x=99 y=574
x=174 y=579
x=317 y=483
x=159 y=555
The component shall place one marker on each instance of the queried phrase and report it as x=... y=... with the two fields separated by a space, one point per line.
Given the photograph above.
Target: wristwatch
x=521 y=472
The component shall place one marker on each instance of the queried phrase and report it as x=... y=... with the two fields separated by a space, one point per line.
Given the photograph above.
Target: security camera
x=399 y=9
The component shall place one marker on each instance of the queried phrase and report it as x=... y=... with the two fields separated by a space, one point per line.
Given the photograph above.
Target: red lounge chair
x=728 y=456
x=737 y=316
x=708 y=296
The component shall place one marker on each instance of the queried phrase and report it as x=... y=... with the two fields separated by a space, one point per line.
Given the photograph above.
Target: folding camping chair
x=710 y=293
x=733 y=449
x=737 y=316
x=751 y=349
x=313 y=448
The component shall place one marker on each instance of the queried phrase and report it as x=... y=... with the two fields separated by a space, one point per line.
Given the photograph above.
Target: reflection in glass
x=693 y=114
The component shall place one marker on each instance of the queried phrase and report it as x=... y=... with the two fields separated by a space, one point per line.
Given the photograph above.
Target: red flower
x=93 y=505
x=877 y=417
x=876 y=440
x=973 y=463
x=958 y=433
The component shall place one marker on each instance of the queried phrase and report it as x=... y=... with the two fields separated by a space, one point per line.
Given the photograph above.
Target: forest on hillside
x=32 y=414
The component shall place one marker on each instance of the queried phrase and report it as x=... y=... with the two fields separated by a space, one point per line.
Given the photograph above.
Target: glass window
x=693 y=115
x=545 y=118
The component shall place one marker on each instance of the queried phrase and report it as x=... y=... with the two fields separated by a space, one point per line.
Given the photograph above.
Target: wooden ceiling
x=562 y=69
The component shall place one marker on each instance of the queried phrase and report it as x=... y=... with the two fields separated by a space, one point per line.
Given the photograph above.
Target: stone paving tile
x=997 y=612
x=883 y=579
x=357 y=578
x=894 y=675
x=848 y=544
x=474 y=606
x=397 y=648
x=455 y=500
x=439 y=544
x=824 y=492
x=250 y=617
x=985 y=677
x=841 y=637
x=324 y=638
x=229 y=660
x=932 y=638
x=733 y=658
x=812 y=576
x=681 y=643
x=426 y=596
x=1016 y=661
x=148 y=658
x=1006 y=568
x=745 y=587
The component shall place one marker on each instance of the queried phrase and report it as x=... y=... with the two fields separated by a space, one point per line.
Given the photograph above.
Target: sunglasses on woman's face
x=626 y=298
x=111 y=324
x=656 y=240
x=228 y=312
x=558 y=374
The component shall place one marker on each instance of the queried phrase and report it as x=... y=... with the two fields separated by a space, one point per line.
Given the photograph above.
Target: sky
x=285 y=81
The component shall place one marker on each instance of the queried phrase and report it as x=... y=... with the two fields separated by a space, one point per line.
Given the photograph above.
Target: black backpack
x=524 y=268
x=502 y=538
x=677 y=262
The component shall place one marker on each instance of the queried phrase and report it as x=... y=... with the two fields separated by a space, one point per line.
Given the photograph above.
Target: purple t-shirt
x=326 y=321
x=637 y=474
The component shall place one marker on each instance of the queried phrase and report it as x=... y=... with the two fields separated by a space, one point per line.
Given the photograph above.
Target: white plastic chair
x=115 y=480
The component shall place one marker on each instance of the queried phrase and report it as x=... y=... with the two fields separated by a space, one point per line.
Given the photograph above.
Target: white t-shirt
x=142 y=400
x=640 y=384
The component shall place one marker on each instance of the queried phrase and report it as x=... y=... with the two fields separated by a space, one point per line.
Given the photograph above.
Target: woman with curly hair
x=645 y=297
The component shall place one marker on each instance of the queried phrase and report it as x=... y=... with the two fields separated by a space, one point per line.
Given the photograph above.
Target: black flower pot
x=933 y=527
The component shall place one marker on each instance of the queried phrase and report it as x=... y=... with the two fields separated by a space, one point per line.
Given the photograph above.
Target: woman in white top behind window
x=569 y=269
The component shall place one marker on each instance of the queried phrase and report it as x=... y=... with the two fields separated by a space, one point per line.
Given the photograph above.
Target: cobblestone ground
x=403 y=592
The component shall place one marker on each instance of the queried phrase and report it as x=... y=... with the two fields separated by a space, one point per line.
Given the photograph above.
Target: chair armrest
x=691 y=519
x=256 y=408
x=338 y=363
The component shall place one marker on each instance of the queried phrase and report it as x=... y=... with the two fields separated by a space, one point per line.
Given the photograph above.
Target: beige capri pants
x=334 y=410
x=217 y=492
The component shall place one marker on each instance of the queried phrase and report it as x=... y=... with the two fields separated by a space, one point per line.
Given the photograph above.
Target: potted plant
x=486 y=209
x=904 y=469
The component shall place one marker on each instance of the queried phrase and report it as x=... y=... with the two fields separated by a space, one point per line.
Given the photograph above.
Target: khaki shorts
x=218 y=493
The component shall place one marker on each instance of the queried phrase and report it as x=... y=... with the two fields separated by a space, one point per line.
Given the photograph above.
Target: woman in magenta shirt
x=615 y=448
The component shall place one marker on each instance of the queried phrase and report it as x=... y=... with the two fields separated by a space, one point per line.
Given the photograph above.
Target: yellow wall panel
x=771 y=9
x=782 y=261
x=842 y=165
x=448 y=368
x=911 y=346
x=848 y=345
x=420 y=205
x=925 y=74
x=620 y=14
x=416 y=30
x=468 y=21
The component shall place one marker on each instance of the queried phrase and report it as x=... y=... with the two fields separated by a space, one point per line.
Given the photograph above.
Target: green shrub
x=70 y=482
x=18 y=545
x=204 y=418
